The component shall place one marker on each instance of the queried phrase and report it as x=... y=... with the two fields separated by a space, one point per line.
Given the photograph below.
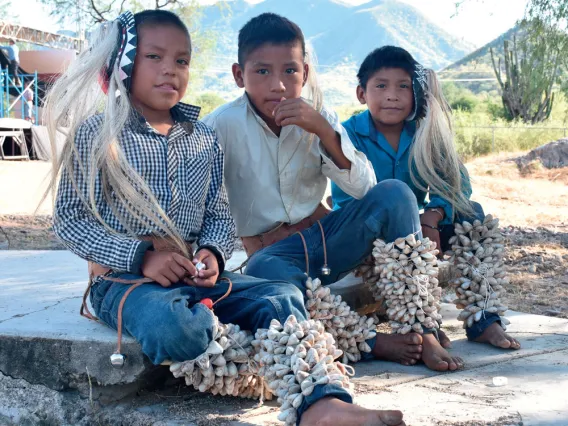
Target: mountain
x=478 y=65
x=341 y=34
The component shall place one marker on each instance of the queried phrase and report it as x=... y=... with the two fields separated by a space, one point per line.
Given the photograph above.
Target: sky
x=478 y=21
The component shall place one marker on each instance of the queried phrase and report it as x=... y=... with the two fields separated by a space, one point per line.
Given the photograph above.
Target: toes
x=438 y=364
x=459 y=362
x=415 y=349
x=413 y=339
x=391 y=417
x=415 y=356
x=515 y=344
x=503 y=343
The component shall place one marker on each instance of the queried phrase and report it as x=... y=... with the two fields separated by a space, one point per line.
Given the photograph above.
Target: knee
x=395 y=191
x=478 y=210
x=280 y=300
x=179 y=334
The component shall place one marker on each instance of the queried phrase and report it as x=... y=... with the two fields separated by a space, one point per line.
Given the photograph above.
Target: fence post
x=493 y=141
x=564 y=132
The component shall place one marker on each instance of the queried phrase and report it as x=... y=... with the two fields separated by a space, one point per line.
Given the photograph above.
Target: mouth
x=167 y=87
x=392 y=109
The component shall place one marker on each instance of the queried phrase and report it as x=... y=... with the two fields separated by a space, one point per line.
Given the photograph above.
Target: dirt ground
x=531 y=204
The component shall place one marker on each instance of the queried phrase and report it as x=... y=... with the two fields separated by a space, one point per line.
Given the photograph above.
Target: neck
x=161 y=120
x=389 y=129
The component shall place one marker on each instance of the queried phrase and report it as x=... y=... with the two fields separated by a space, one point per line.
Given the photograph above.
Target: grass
x=479 y=132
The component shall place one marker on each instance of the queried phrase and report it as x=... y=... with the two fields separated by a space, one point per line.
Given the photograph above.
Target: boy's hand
x=166 y=268
x=432 y=219
x=298 y=112
x=208 y=276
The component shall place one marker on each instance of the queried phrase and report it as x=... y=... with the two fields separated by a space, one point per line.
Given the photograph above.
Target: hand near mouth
x=300 y=113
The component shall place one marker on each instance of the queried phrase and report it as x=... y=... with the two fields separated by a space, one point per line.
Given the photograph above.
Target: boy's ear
x=238 y=75
x=361 y=95
x=306 y=73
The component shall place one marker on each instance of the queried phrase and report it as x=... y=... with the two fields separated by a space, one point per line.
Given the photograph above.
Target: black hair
x=385 y=57
x=158 y=17
x=268 y=28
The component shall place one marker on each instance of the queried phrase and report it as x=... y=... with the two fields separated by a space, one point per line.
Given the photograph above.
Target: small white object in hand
x=199 y=266
x=500 y=381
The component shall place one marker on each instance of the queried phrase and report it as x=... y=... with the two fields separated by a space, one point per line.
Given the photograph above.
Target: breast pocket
x=197 y=176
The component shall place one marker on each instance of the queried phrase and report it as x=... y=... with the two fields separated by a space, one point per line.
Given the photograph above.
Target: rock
x=532 y=269
x=553 y=155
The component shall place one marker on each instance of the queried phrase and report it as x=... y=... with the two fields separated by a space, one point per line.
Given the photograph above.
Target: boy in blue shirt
x=406 y=135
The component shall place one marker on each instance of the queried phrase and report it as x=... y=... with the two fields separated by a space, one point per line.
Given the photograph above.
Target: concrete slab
x=45 y=340
x=40 y=330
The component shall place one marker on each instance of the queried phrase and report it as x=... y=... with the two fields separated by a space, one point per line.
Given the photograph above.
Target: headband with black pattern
x=124 y=53
x=419 y=83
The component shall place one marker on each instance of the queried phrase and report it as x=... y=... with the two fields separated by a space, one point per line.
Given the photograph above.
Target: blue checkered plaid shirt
x=184 y=171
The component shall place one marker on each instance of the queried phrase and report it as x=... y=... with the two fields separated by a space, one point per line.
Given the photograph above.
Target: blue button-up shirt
x=389 y=164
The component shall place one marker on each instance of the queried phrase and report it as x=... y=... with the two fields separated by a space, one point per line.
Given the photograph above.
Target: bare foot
x=496 y=336
x=334 y=412
x=436 y=357
x=403 y=348
x=444 y=340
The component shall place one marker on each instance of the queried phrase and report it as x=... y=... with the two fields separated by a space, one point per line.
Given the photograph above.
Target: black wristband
x=430 y=226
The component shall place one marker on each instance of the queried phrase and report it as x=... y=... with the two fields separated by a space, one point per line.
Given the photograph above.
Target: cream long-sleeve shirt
x=273 y=179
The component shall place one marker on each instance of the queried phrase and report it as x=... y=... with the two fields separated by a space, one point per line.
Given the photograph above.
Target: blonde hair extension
x=75 y=97
x=433 y=154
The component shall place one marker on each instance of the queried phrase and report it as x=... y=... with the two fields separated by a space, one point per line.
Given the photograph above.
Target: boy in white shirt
x=279 y=152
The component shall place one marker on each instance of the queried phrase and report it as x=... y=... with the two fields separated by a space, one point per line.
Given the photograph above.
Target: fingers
x=185 y=263
x=162 y=280
x=207 y=273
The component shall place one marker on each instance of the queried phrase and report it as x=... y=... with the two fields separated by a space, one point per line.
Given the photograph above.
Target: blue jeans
x=388 y=211
x=447 y=232
x=171 y=324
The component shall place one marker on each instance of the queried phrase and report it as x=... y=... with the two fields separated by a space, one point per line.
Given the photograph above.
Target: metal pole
x=493 y=143
x=22 y=100
x=7 y=113
x=35 y=100
x=2 y=90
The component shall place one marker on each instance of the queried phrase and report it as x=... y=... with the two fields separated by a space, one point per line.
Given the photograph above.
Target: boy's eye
x=183 y=61
x=291 y=71
x=262 y=71
x=381 y=85
x=404 y=86
x=152 y=56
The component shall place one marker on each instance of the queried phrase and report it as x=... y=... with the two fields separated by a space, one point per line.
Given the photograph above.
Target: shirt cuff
x=138 y=258
x=355 y=182
x=447 y=207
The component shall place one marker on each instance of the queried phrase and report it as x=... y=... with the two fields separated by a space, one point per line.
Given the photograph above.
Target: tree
x=5 y=10
x=208 y=102
x=526 y=75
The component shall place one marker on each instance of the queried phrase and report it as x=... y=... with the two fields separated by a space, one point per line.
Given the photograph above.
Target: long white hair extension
x=434 y=162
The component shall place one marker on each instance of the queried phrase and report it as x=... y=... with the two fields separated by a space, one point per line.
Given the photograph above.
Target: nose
x=168 y=68
x=277 y=85
x=392 y=96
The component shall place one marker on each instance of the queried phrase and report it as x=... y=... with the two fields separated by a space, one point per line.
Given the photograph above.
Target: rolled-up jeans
x=171 y=324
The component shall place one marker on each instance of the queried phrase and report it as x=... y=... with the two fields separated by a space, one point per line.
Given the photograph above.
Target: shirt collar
x=183 y=114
